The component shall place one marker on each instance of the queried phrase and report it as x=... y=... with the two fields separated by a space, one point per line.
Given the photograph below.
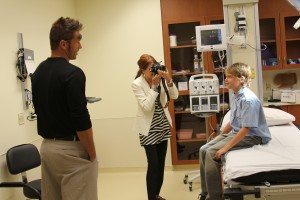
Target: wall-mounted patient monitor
x=211 y=37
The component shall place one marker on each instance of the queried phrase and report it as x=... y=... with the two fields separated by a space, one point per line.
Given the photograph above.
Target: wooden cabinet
x=179 y=60
x=270 y=39
x=290 y=40
x=279 y=36
x=180 y=18
x=293 y=110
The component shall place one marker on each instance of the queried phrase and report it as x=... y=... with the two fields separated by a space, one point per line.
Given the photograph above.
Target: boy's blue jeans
x=210 y=170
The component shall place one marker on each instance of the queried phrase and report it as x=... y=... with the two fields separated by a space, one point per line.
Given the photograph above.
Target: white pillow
x=226 y=119
x=273 y=117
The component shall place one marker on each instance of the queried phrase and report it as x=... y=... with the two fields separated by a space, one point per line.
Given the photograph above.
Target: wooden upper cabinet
x=271 y=7
x=180 y=57
x=294 y=110
x=290 y=40
x=270 y=39
x=276 y=20
x=180 y=9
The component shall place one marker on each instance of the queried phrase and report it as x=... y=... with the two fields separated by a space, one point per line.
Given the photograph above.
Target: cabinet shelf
x=183 y=46
x=185 y=73
x=268 y=41
x=292 y=39
x=219 y=70
x=192 y=140
x=223 y=90
x=185 y=92
x=182 y=112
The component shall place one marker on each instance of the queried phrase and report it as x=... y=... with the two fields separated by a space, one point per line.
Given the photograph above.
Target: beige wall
x=115 y=34
x=33 y=18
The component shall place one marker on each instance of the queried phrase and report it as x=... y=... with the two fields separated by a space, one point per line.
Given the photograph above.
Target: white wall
x=33 y=18
x=115 y=34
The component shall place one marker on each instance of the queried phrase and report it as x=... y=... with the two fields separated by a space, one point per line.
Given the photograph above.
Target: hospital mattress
x=279 y=160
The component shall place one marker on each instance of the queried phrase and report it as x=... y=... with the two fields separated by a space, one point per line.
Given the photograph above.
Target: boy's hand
x=221 y=152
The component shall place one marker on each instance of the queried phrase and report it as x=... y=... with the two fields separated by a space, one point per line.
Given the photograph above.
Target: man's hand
x=86 y=138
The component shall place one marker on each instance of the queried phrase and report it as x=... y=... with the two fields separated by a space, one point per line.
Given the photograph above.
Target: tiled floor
x=131 y=185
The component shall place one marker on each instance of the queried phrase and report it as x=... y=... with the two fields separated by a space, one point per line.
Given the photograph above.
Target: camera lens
x=157 y=66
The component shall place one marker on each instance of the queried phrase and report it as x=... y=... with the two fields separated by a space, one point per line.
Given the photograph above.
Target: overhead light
x=297 y=24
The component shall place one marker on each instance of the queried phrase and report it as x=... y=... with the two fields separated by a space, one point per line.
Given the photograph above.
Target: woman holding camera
x=153 y=87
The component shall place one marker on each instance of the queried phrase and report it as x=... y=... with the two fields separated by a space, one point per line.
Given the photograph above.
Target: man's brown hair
x=63 y=29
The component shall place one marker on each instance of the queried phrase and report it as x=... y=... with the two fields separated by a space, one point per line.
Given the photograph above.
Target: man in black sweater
x=69 y=164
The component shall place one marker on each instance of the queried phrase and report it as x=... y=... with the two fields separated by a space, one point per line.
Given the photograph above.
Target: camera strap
x=167 y=92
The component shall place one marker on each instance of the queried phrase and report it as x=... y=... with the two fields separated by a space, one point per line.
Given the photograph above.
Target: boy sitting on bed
x=247 y=127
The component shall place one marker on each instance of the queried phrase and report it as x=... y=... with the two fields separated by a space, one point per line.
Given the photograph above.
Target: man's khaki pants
x=67 y=172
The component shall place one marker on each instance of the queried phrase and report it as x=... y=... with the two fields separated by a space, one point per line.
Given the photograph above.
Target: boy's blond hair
x=240 y=69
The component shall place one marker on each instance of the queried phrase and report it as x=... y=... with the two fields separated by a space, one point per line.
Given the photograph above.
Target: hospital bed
x=270 y=171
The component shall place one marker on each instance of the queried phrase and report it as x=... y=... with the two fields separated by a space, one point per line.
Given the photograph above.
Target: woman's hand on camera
x=165 y=75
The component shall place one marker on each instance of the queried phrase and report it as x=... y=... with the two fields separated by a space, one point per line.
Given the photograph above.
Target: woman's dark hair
x=144 y=61
x=63 y=29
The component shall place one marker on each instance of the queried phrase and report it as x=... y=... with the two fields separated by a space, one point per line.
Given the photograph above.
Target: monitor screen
x=211 y=37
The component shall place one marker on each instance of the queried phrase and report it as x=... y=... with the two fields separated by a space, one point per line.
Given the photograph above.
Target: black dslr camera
x=157 y=66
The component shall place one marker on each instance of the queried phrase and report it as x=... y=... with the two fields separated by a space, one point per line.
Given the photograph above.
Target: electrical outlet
x=21 y=118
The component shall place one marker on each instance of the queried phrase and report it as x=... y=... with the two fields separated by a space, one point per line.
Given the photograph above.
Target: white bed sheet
x=281 y=153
